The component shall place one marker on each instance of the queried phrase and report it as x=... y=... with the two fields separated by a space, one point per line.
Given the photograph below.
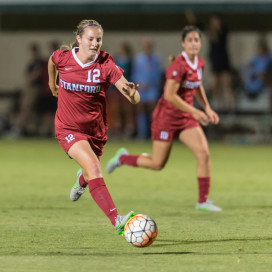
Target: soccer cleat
x=77 y=191
x=121 y=221
x=115 y=160
x=207 y=206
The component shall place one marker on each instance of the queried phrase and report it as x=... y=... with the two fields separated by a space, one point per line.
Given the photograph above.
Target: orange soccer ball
x=141 y=230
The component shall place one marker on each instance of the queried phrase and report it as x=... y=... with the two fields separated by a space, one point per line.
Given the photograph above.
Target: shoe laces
x=81 y=190
x=117 y=221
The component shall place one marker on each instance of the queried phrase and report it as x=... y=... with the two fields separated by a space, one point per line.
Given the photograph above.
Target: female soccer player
x=85 y=73
x=175 y=116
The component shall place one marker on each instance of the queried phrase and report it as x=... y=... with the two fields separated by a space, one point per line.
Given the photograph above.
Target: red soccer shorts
x=159 y=132
x=67 y=137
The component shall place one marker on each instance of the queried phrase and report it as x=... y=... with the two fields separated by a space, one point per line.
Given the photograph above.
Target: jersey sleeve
x=175 y=71
x=57 y=57
x=113 y=71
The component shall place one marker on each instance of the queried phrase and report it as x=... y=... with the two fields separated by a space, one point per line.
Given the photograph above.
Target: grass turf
x=42 y=230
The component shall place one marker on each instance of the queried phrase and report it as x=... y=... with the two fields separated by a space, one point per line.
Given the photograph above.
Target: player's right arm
x=171 y=95
x=53 y=73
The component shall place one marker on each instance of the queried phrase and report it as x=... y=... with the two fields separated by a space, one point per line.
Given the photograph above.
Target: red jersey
x=190 y=78
x=82 y=87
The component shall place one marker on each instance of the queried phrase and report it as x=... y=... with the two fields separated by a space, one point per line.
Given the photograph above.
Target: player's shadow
x=205 y=253
x=168 y=253
x=169 y=243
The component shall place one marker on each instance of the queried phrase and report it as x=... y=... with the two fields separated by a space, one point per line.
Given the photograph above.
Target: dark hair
x=188 y=29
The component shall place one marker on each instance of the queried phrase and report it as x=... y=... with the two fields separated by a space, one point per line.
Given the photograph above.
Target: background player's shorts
x=67 y=137
x=168 y=133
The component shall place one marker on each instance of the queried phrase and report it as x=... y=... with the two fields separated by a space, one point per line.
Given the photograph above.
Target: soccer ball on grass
x=141 y=230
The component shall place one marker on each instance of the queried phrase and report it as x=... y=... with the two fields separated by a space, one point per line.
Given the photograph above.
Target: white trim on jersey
x=193 y=66
x=79 y=62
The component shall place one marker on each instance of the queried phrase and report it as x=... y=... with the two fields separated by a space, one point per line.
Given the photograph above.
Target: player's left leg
x=83 y=154
x=196 y=141
x=79 y=188
x=156 y=161
x=115 y=162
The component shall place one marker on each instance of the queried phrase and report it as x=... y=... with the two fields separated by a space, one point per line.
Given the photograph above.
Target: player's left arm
x=53 y=73
x=128 y=89
x=204 y=103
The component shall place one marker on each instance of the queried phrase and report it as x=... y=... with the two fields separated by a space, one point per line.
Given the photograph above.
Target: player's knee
x=92 y=173
x=158 y=166
x=204 y=156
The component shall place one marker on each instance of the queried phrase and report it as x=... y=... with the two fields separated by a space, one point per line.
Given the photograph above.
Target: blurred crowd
x=33 y=112
x=144 y=68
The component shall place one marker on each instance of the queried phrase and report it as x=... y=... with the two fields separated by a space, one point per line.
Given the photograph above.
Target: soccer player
x=175 y=116
x=84 y=74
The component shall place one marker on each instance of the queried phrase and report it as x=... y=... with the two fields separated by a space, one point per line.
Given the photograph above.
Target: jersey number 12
x=94 y=76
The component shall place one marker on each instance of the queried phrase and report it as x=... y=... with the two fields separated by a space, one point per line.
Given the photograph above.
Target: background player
x=175 y=116
x=85 y=74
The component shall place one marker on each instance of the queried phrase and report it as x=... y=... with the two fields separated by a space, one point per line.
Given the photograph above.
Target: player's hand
x=213 y=116
x=54 y=90
x=131 y=90
x=201 y=117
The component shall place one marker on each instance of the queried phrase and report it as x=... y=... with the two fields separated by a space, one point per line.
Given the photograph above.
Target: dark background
x=155 y=17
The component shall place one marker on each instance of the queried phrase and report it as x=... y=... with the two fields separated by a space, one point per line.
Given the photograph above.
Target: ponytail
x=171 y=58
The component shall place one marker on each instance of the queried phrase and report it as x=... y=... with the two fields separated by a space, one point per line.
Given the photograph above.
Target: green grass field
x=42 y=230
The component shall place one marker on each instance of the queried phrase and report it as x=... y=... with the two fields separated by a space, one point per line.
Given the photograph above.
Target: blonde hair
x=79 y=31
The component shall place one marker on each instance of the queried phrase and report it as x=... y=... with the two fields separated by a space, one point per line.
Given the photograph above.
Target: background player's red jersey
x=190 y=77
x=82 y=87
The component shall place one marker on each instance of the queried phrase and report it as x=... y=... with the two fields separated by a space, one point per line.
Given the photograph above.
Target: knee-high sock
x=102 y=197
x=203 y=189
x=129 y=159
